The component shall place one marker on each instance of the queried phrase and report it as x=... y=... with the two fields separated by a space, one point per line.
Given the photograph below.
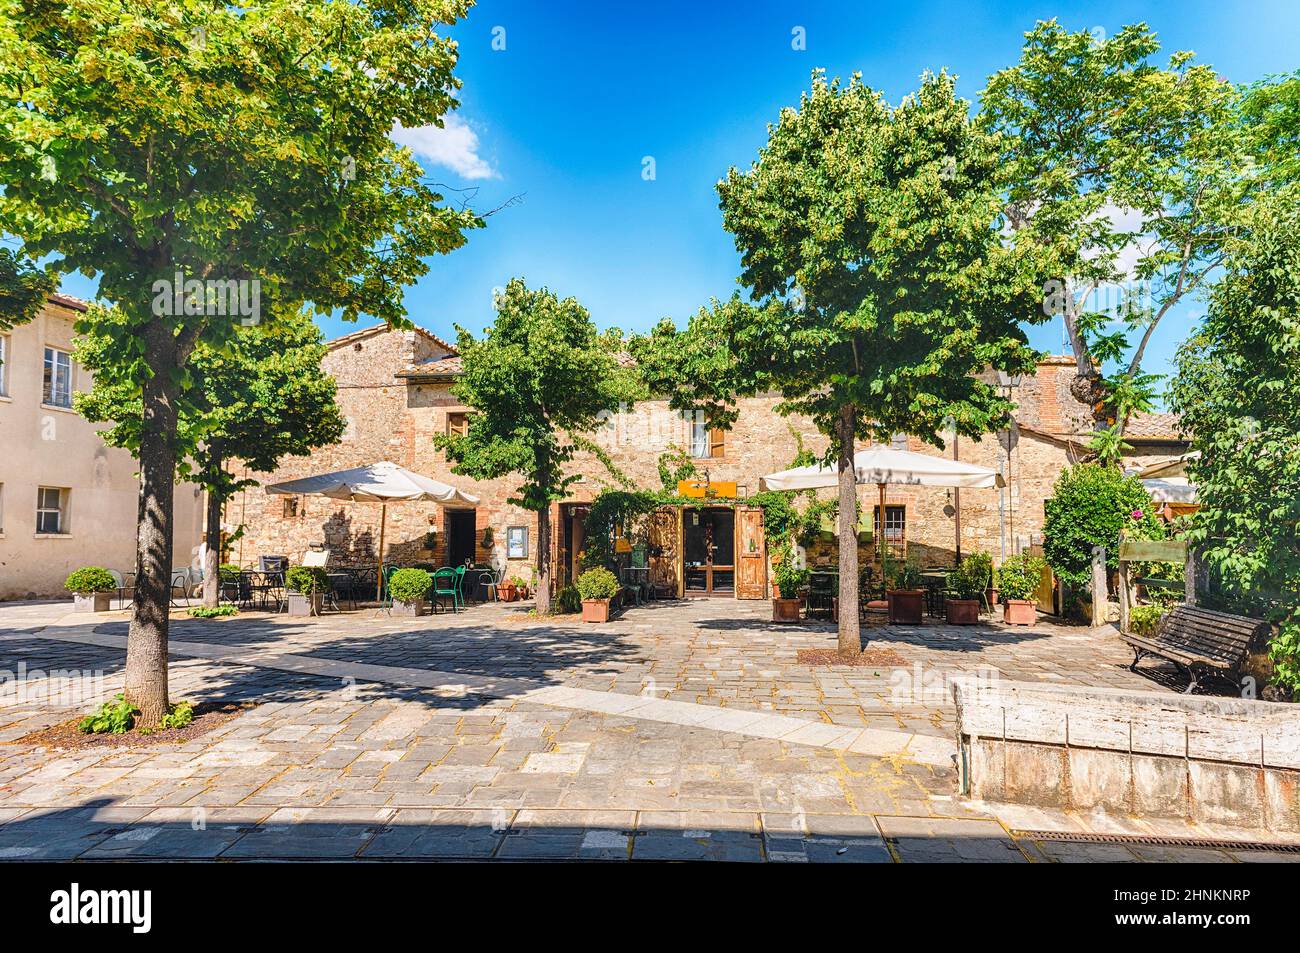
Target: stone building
x=394 y=389
x=66 y=499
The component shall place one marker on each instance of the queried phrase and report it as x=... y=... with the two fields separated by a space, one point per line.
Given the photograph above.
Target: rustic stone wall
x=390 y=418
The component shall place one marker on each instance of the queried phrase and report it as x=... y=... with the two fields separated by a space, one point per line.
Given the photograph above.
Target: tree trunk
x=212 y=538
x=146 y=640
x=543 y=604
x=849 y=635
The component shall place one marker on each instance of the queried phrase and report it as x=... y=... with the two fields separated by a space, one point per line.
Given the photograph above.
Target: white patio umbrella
x=381 y=483
x=1172 y=489
x=885 y=466
x=1172 y=467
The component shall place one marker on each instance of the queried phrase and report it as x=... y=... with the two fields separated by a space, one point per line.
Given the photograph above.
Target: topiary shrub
x=306 y=579
x=1089 y=507
x=598 y=583
x=1018 y=576
x=410 y=585
x=90 y=579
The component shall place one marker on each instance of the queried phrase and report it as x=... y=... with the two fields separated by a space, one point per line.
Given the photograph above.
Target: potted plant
x=409 y=589
x=906 y=597
x=967 y=583
x=306 y=585
x=92 y=589
x=1018 y=579
x=789 y=580
x=597 y=587
x=508 y=589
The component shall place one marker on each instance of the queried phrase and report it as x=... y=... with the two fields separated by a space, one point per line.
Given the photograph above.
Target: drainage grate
x=1143 y=840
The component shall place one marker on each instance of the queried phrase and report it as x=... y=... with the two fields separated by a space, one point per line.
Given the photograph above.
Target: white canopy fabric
x=1171 y=490
x=376 y=483
x=885 y=465
x=1173 y=467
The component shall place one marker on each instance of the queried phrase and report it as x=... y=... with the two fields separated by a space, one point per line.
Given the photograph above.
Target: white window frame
x=4 y=365
x=60 y=510
x=2 y=510
x=50 y=368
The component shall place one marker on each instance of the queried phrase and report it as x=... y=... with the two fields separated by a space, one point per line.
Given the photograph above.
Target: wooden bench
x=1199 y=642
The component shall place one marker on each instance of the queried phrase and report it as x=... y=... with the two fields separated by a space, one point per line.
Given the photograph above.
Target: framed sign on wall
x=517 y=542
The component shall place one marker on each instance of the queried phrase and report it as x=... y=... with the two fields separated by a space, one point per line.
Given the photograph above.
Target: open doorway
x=460 y=537
x=709 y=548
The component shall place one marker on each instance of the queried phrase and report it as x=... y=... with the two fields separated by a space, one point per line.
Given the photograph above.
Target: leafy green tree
x=1091 y=504
x=1134 y=176
x=258 y=399
x=880 y=287
x=23 y=289
x=1271 y=112
x=176 y=150
x=541 y=380
x=1238 y=390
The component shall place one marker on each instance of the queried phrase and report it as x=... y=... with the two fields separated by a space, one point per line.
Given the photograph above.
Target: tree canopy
x=540 y=380
x=1134 y=176
x=1238 y=391
x=180 y=152
x=881 y=287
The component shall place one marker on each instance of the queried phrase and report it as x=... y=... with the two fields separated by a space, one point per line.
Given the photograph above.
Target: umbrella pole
x=379 y=573
x=880 y=538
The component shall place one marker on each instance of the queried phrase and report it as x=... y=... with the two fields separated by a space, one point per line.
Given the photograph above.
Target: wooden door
x=751 y=554
x=664 y=550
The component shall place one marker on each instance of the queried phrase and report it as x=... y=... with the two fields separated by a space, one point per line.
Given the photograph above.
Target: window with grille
x=895 y=527
x=289 y=508
x=51 y=507
x=58 y=378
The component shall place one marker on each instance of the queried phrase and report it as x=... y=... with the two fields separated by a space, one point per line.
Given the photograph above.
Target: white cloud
x=455 y=146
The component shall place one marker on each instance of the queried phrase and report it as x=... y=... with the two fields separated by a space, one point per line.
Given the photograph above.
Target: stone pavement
x=677 y=731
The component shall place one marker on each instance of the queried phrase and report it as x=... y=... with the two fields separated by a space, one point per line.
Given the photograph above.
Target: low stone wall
x=1146 y=754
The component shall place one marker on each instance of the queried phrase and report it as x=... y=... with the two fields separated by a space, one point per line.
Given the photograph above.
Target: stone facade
x=395 y=391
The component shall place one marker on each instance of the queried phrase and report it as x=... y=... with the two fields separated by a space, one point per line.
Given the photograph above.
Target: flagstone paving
x=678 y=731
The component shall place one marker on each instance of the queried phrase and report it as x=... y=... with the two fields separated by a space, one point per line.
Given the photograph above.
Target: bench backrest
x=1215 y=635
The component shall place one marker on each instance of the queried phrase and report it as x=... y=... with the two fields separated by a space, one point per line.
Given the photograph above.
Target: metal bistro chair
x=488 y=580
x=461 y=570
x=821 y=594
x=122 y=588
x=385 y=603
x=184 y=579
x=446 y=583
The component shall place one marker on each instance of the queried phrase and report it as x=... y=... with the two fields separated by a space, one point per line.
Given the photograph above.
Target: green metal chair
x=446 y=582
x=460 y=583
x=385 y=596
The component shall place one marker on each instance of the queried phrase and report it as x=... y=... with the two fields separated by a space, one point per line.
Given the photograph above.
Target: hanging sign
x=699 y=490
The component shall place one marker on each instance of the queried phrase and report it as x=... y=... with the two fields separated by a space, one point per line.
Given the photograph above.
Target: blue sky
x=566 y=113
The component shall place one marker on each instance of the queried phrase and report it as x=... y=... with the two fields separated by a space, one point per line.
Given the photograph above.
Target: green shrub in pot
x=410 y=585
x=789 y=579
x=972 y=575
x=598 y=583
x=1018 y=576
x=306 y=579
x=90 y=579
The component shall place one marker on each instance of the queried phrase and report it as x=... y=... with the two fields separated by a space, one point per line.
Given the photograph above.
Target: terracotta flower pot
x=1019 y=612
x=507 y=592
x=906 y=605
x=786 y=610
x=962 y=611
x=595 y=610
